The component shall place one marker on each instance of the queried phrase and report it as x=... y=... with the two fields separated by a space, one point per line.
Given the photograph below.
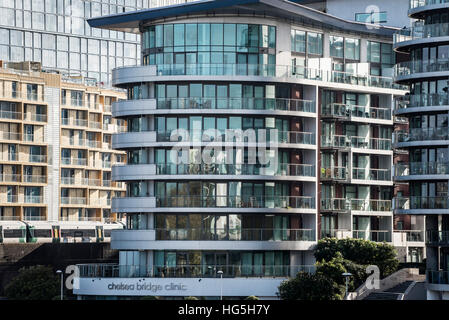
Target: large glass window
x=206 y=43
x=336 y=46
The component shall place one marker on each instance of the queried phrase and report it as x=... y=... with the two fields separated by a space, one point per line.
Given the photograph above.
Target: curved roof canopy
x=286 y=10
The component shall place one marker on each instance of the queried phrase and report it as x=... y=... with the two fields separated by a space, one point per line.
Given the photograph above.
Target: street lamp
x=221 y=283
x=62 y=281
x=346 y=275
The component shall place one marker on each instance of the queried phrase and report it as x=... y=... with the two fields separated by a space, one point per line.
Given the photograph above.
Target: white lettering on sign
x=147 y=287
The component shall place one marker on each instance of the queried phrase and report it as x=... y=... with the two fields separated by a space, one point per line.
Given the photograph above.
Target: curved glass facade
x=209 y=43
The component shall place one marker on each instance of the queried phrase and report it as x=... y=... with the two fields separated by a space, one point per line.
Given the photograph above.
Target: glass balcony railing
x=421 y=134
x=342 y=204
x=372 y=235
x=334 y=173
x=437 y=277
x=338 y=110
x=437 y=237
x=236 y=234
x=420 y=3
x=419 y=66
x=370 y=205
x=73 y=200
x=36 y=117
x=278 y=71
x=4 y=177
x=74 y=161
x=192 y=201
x=371 y=174
x=344 y=142
x=13 y=115
x=267 y=135
x=282 y=169
x=422 y=100
x=37 y=158
x=335 y=204
x=33 y=199
x=421 y=168
x=419 y=202
x=335 y=141
x=190 y=271
x=280 y=104
x=412 y=235
x=35 y=178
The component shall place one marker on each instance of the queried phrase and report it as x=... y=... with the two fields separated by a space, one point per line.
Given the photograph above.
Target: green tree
x=360 y=252
x=34 y=283
x=308 y=286
x=191 y=298
x=251 y=298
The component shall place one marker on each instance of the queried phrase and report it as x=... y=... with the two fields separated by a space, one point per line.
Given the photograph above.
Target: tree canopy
x=335 y=257
x=34 y=283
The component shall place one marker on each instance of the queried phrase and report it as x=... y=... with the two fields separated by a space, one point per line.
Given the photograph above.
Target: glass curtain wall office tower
x=215 y=66
x=55 y=33
x=427 y=73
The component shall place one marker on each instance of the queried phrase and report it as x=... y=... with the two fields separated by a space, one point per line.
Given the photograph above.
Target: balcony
x=408 y=236
x=410 y=68
x=345 y=142
x=276 y=104
x=346 y=205
x=282 y=169
x=94 y=124
x=74 y=161
x=335 y=204
x=35 y=117
x=346 y=111
x=73 y=181
x=4 y=177
x=336 y=233
x=16 y=136
x=421 y=134
x=73 y=200
x=12 y=115
x=371 y=174
x=237 y=234
x=93 y=144
x=37 y=158
x=9 y=218
x=372 y=235
x=335 y=142
x=438 y=238
x=423 y=169
x=438 y=203
x=33 y=199
x=433 y=101
x=79 y=218
x=297 y=202
x=230 y=135
x=35 y=179
x=14 y=198
x=73 y=122
x=334 y=173
x=189 y=271
x=121 y=75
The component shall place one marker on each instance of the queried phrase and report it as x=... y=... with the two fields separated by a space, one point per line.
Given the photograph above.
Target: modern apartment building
x=56 y=156
x=55 y=33
x=319 y=92
x=426 y=73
